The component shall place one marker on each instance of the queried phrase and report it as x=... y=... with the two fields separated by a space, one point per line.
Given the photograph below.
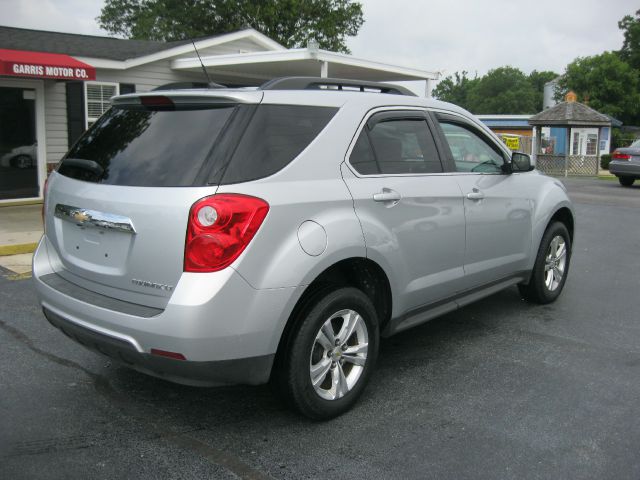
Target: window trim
x=86 y=99
x=396 y=112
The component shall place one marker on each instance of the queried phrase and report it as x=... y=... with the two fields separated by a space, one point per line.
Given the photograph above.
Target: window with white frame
x=97 y=95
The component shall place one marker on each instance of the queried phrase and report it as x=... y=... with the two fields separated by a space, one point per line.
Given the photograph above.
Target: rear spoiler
x=193 y=97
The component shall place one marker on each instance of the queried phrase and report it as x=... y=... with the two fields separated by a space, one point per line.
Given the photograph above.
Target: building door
x=584 y=141
x=18 y=148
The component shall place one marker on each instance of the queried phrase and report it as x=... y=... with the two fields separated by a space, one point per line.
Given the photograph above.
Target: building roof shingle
x=570 y=113
x=80 y=45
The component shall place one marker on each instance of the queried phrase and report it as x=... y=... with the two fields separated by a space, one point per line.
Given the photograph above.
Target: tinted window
x=274 y=137
x=143 y=147
x=402 y=146
x=471 y=152
x=362 y=158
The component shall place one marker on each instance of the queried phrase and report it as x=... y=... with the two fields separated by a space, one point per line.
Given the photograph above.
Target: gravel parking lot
x=500 y=389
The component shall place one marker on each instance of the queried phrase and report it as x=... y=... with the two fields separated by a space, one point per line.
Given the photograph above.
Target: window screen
x=98 y=97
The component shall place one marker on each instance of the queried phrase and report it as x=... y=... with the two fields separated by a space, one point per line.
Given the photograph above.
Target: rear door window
x=396 y=146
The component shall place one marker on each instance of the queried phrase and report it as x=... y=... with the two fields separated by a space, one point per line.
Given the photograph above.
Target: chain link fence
x=574 y=165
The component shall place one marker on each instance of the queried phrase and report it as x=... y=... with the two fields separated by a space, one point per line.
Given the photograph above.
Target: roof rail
x=318 y=83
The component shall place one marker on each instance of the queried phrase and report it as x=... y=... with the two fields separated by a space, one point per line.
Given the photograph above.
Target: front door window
x=18 y=149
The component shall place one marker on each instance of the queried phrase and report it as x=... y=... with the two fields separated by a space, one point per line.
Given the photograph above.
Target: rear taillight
x=220 y=228
x=620 y=156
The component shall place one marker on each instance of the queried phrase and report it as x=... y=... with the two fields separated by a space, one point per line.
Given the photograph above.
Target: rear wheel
x=626 y=181
x=551 y=266
x=330 y=354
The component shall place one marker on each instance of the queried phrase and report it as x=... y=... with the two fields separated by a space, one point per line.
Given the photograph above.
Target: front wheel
x=330 y=354
x=626 y=181
x=551 y=266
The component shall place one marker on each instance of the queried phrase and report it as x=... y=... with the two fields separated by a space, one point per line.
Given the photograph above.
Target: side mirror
x=520 y=162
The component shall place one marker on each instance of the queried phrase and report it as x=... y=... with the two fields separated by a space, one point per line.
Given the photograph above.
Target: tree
x=291 y=23
x=606 y=83
x=504 y=90
x=537 y=81
x=455 y=89
x=630 y=51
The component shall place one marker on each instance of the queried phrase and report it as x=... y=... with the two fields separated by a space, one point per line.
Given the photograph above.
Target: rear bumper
x=227 y=330
x=625 y=168
x=252 y=371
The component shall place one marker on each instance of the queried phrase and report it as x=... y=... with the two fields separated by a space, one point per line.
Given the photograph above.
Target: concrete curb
x=17 y=249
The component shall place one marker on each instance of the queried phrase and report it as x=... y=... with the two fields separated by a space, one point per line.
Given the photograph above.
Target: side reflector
x=164 y=353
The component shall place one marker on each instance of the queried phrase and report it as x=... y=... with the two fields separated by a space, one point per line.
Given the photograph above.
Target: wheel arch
x=359 y=272
x=565 y=216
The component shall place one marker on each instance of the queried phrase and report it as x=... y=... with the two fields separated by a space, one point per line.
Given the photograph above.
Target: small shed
x=575 y=137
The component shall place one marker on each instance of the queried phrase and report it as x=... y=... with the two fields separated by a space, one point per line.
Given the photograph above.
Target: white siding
x=55 y=118
x=149 y=76
x=229 y=48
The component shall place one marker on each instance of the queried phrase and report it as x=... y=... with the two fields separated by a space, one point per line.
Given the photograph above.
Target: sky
x=435 y=35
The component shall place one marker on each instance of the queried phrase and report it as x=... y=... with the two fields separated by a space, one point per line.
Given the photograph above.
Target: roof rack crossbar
x=317 y=83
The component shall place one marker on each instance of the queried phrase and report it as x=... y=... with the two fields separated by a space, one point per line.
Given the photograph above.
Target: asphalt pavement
x=501 y=389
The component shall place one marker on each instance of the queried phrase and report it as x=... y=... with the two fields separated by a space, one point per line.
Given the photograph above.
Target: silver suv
x=222 y=236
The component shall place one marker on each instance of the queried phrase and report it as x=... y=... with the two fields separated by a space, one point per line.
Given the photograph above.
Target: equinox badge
x=146 y=283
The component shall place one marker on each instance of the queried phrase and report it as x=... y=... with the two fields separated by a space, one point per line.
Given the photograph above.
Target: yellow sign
x=512 y=142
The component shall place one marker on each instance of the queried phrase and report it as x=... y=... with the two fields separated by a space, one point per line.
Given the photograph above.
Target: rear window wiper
x=90 y=165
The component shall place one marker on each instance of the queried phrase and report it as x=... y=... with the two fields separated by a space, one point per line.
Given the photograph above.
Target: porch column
x=566 y=152
x=598 y=152
x=324 y=69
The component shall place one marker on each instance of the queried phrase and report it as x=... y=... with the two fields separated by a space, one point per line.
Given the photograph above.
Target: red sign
x=18 y=63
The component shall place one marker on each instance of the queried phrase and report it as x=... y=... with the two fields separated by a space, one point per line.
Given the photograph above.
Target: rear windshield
x=146 y=147
x=195 y=146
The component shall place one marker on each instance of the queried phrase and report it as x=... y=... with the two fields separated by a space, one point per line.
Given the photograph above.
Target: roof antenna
x=206 y=74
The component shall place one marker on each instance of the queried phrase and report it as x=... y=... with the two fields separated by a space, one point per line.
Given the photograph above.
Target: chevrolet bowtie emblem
x=80 y=216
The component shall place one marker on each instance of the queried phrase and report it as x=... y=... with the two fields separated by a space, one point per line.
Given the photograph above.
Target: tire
x=340 y=367
x=626 y=181
x=21 y=161
x=551 y=266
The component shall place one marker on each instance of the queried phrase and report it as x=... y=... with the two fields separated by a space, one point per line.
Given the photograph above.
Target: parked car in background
x=239 y=236
x=625 y=164
x=23 y=156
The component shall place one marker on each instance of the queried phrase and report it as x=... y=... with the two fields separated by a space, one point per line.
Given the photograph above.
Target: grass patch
x=17 y=249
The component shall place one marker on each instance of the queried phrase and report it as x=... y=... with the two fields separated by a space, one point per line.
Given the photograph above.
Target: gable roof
x=108 y=48
x=79 y=45
x=570 y=113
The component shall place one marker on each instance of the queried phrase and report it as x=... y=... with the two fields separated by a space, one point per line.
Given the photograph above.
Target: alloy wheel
x=555 y=263
x=339 y=354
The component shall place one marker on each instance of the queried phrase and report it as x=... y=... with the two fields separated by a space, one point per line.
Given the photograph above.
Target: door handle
x=475 y=195
x=387 y=196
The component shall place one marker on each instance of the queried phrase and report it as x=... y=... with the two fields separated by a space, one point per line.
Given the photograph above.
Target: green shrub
x=604 y=161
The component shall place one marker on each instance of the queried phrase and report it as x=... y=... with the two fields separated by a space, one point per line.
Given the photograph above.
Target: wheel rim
x=339 y=354
x=555 y=263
